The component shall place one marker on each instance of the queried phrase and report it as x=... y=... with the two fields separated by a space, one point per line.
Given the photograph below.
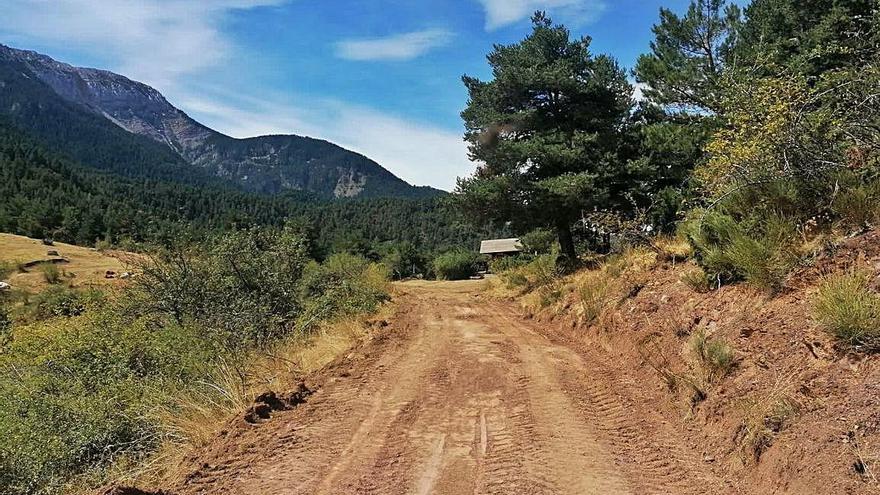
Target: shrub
x=60 y=301
x=404 y=261
x=760 y=250
x=456 y=265
x=508 y=263
x=715 y=355
x=539 y=241
x=77 y=394
x=6 y=269
x=594 y=292
x=117 y=379
x=849 y=310
x=243 y=286
x=344 y=284
x=539 y=272
x=697 y=279
x=51 y=273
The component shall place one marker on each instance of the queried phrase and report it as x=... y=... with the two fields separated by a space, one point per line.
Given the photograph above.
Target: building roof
x=500 y=246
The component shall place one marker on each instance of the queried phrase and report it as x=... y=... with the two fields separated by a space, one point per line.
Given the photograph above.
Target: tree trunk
x=566 y=242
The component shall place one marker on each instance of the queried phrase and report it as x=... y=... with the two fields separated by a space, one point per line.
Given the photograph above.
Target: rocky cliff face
x=267 y=164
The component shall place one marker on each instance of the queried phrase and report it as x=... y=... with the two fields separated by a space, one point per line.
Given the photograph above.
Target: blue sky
x=381 y=77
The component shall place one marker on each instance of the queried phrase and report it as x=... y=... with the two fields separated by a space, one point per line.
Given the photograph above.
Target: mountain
x=110 y=122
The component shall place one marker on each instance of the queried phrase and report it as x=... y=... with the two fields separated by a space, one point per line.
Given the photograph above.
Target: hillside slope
x=788 y=411
x=111 y=122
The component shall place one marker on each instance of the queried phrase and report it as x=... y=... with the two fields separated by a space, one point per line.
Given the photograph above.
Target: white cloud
x=404 y=46
x=418 y=153
x=155 y=41
x=500 y=13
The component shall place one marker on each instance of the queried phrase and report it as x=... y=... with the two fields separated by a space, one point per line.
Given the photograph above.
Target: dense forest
x=46 y=195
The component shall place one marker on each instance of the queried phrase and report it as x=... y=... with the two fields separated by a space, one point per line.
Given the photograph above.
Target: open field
x=80 y=266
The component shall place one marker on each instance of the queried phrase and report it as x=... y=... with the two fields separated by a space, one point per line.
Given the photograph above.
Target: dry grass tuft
x=697 y=279
x=766 y=414
x=674 y=249
x=715 y=356
x=847 y=308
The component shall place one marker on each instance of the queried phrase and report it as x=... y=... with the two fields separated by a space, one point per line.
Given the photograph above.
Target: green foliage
x=456 y=265
x=539 y=272
x=81 y=387
x=241 y=286
x=46 y=195
x=539 y=241
x=404 y=260
x=858 y=204
x=507 y=263
x=808 y=37
x=847 y=308
x=688 y=56
x=51 y=273
x=544 y=132
x=60 y=301
x=342 y=285
x=77 y=394
x=760 y=250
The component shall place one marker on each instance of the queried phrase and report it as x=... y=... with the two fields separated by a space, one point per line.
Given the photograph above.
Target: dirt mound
x=268 y=402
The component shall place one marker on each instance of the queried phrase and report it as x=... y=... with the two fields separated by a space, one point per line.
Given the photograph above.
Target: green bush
x=456 y=265
x=243 y=286
x=51 y=273
x=539 y=241
x=7 y=268
x=80 y=392
x=404 y=261
x=76 y=394
x=344 y=284
x=540 y=271
x=857 y=204
x=847 y=308
x=507 y=263
x=760 y=250
x=60 y=301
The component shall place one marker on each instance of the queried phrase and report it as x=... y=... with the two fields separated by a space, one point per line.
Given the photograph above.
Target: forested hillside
x=43 y=195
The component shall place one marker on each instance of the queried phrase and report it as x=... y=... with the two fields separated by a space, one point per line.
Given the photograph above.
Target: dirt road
x=459 y=396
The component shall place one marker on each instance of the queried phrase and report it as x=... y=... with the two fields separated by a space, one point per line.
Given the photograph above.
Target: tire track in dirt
x=655 y=463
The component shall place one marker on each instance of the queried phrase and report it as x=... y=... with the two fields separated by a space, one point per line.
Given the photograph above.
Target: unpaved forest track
x=460 y=397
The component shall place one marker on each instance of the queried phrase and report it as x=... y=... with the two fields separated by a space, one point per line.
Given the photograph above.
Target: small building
x=497 y=248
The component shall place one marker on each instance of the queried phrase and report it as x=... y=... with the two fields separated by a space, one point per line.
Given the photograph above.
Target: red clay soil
x=460 y=394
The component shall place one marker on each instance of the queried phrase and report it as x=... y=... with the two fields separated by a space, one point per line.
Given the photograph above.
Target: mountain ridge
x=266 y=164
